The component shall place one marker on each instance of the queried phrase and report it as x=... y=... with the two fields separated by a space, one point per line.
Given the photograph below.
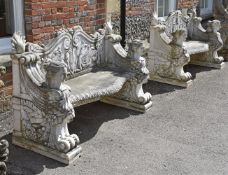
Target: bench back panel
x=176 y=21
x=78 y=50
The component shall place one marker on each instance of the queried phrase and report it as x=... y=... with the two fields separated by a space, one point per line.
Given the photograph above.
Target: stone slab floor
x=185 y=133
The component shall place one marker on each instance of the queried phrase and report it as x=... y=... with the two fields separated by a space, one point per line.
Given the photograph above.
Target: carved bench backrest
x=78 y=50
x=174 y=22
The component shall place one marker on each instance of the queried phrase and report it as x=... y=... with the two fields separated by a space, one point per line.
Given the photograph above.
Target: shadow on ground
x=157 y=88
x=194 y=69
x=91 y=116
x=88 y=120
x=20 y=159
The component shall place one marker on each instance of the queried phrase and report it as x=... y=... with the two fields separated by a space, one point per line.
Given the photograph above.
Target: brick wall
x=139 y=7
x=186 y=3
x=43 y=17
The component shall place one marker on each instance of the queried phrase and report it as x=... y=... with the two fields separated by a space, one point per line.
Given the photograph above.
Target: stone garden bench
x=178 y=40
x=72 y=70
x=221 y=14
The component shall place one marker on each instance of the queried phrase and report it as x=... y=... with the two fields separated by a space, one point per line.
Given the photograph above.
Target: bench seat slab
x=194 y=47
x=199 y=54
x=95 y=84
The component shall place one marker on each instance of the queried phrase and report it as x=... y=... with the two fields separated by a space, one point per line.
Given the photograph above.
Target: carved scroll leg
x=181 y=75
x=61 y=139
x=131 y=96
x=51 y=138
x=215 y=58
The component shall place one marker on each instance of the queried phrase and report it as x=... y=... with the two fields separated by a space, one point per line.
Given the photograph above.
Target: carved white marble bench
x=178 y=40
x=220 y=8
x=73 y=69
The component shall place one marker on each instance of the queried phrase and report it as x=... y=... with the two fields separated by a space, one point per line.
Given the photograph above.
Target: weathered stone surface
x=65 y=158
x=4 y=153
x=5 y=124
x=221 y=13
x=73 y=69
x=2 y=71
x=178 y=41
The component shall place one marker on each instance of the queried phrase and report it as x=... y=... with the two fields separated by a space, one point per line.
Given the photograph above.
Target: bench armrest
x=210 y=35
x=130 y=62
x=119 y=58
x=43 y=98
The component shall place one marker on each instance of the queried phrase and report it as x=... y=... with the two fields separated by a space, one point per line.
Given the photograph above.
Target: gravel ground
x=185 y=132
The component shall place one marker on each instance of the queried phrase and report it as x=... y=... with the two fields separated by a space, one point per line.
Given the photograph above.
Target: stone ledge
x=172 y=81
x=66 y=158
x=126 y=104
x=206 y=64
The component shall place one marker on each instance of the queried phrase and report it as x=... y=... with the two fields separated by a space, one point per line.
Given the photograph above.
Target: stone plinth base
x=172 y=81
x=66 y=158
x=126 y=104
x=206 y=64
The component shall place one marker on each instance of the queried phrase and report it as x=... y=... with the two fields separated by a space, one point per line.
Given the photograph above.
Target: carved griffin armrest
x=210 y=36
x=135 y=65
x=41 y=82
x=167 y=43
x=167 y=55
x=198 y=33
x=215 y=41
x=131 y=62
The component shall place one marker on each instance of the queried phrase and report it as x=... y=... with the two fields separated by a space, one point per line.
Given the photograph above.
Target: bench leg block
x=172 y=81
x=127 y=104
x=207 y=64
x=66 y=158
